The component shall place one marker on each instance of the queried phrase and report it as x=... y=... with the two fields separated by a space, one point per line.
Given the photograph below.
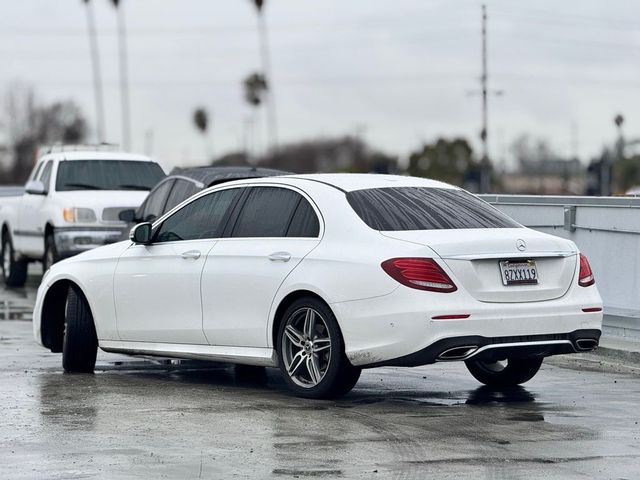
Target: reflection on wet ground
x=157 y=418
x=17 y=303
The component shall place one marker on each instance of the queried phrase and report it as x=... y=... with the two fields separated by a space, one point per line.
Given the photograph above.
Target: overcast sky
x=398 y=72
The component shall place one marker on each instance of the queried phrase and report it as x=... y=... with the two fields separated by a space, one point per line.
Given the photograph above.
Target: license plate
x=519 y=272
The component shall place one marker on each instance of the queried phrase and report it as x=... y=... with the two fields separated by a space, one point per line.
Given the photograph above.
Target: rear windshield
x=420 y=208
x=107 y=175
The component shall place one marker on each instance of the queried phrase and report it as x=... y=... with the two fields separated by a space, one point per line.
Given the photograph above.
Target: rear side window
x=266 y=212
x=204 y=217
x=153 y=205
x=182 y=190
x=420 y=208
x=304 y=222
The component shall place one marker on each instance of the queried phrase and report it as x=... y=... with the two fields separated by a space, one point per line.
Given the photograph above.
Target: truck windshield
x=107 y=175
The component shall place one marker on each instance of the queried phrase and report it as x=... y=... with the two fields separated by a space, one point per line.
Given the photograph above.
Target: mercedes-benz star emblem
x=521 y=245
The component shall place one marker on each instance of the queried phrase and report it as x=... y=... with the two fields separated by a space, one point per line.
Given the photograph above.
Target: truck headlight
x=79 y=215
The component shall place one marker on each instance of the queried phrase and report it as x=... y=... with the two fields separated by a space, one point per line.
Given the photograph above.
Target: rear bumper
x=399 y=328
x=491 y=349
x=73 y=240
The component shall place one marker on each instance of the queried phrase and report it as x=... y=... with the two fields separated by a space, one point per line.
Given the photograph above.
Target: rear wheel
x=14 y=271
x=80 y=344
x=50 y=253
x=311 y=352
x=504 y=373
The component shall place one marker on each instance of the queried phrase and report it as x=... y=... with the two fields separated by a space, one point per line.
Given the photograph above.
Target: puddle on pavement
x=11 y=310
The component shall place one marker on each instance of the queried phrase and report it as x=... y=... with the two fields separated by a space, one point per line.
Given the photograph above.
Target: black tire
x=80 y=343
x=339 y=375
x=14 y=271
x=515 y=372
x=50 y=253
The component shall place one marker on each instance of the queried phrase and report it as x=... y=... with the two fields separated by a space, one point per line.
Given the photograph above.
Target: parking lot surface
x=165 y=419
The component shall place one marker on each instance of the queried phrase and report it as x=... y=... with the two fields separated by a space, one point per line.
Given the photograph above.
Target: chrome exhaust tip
x=586 y=344
x=457 y=353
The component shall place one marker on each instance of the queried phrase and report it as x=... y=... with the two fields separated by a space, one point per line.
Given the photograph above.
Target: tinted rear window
x=304 y=222
x=182 y=190
x=266 y=213
x=420 y=208
x=107 y=175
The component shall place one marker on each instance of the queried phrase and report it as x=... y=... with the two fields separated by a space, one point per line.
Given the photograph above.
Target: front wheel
x=50 y=253
x=80 y=343
x=311 y=352
x=14 y=271
x=504 y=373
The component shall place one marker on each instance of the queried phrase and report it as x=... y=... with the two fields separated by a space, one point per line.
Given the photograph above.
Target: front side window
x=153 y=205
x=422 y=208
x=204 y=217
x=107 y=175
x=45 y=178
x=266 y=213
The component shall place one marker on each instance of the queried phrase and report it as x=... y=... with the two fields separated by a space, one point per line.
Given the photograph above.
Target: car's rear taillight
x=420 y=273
x=585 y=277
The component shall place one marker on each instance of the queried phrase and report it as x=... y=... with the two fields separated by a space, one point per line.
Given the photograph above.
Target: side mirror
x=141 y=233
x=35 y=187
x=128 y=215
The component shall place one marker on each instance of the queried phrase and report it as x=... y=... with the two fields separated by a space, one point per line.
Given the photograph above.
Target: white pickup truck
x=71 y=203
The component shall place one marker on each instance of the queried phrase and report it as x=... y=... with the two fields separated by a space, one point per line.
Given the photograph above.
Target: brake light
x=420 y=273
x=585 y=278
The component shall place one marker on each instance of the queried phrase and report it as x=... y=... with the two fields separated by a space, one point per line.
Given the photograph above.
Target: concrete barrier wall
x=607 y=231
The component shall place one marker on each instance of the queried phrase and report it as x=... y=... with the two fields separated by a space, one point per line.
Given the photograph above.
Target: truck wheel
x=80 y=344
x=506 y=373
x=14 y=272
x=50 y=253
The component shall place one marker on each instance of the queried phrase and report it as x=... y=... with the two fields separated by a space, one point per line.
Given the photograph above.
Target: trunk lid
x=474 y=256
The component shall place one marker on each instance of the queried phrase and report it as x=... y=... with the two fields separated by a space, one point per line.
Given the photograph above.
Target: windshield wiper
x=86 y=186
x=134 y=187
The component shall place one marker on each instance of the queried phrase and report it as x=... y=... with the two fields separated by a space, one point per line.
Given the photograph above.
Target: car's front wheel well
x=53 y=314
x=284 y=304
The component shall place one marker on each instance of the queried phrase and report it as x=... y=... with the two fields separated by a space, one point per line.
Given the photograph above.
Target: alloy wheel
x=306 y=348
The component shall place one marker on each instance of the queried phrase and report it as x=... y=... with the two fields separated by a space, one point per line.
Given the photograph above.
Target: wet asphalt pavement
x=140 y=418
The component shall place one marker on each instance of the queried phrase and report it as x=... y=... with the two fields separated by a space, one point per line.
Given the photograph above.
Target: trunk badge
x=521 y=245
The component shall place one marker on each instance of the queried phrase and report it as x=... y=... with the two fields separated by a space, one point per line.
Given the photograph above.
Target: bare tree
x=31 y=124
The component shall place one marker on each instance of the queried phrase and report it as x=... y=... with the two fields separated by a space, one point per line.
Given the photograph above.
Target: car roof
x=95 y=155
x=210 y=176
x=349 y=182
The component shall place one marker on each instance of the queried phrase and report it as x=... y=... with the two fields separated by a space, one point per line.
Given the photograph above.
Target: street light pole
x=97 y=78
x=485 y=171
x=266 y=68
x=124 y=80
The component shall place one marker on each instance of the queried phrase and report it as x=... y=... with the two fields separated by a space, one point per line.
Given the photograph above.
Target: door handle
x=280 y=257
x=191 y=255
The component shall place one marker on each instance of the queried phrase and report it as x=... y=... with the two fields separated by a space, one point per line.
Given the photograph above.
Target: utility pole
x=485 y=168
x=124 y=81
x=266 y=70
x=485 y=91
x=97 y=78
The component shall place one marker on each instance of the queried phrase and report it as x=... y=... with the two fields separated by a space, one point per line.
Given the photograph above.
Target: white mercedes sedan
x=322 y=276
